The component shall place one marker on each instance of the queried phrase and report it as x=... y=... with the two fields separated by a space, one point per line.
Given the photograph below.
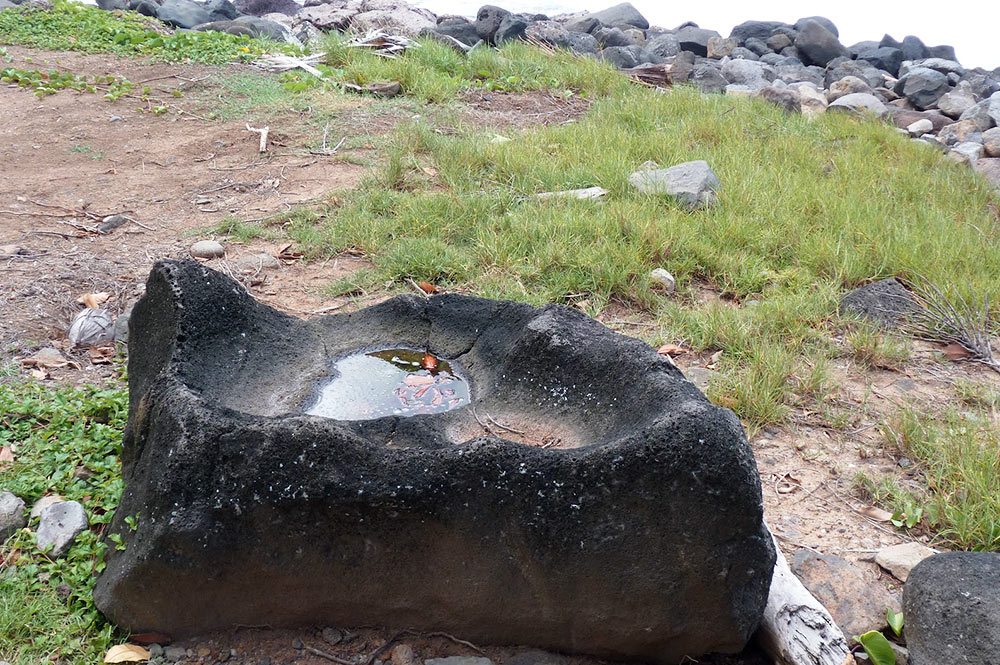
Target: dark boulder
x=583 y=43
x=182 y=13
x=885 y=58
x=626 y=57
x=695 y=40
x=886 y=303
x=460 y=29
x=111 y=5
x=261 y=7
x=511 y=28
x=903 y=118
x=665 y=45
x=861 y=69
x=229 y=27
x=944 y=52
x=548 y=32
x=265 y=28
x=622 y=14
x=639 y=535
x=606 y=37
x=922 y=86
x=786 y=99
x=913 y=48
x=145 y=7
x=817 y=43
x=586 y=23
x=822 y=20
x=758 y=46
x=757 y=29
x=222 y=10
x=488 y=20
x=708 y=78
x=951 y=602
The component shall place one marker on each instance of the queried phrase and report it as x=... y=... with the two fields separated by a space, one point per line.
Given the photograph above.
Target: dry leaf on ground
x=101 y=355
x=672 y=350
x=126 y=653
x=876 y=514
x=93 y=300
x=47 y=357
x=6 y=456
x=427 y=287
x=955 y=352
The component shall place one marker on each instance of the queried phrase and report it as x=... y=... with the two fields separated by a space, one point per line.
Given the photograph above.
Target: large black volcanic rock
x=639 y=535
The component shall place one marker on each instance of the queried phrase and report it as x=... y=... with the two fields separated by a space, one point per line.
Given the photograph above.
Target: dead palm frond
x=951 y=319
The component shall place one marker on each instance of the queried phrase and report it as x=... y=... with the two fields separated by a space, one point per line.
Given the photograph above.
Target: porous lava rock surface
x=640 y=536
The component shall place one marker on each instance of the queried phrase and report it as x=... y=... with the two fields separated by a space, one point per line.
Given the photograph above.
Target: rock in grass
x=182 y=13
x=693 y=184
x=60 y=524
x=11 y=514
x=855 y=603
x=952 y=607
x=886 y=303
x=664 y=279
x=901 y=559
x=859 y=103
x=207 y=249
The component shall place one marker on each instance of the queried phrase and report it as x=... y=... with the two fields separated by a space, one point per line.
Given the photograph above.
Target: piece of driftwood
x=588 y=193
x=658 y=75
x=796 y=629
x=263 y=135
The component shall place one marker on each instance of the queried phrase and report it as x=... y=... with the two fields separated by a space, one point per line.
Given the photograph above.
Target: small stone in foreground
x=901 y=559
x=693 y=184
x=11 y=515
x=664 y=278
x=60 y=524
x=886 y=303
x=207 y=249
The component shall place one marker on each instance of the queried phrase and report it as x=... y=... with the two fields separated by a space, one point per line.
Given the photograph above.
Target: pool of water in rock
x=393 y=382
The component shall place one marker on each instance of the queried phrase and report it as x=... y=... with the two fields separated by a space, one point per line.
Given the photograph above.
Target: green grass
x=807 y=210
x=959 y=473
x=67 y=442
x=74 y=27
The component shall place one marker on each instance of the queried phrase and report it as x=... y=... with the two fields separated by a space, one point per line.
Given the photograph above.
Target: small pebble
x=664 y=278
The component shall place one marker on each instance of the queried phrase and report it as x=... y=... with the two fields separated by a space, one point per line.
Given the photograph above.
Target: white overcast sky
x=973 y=28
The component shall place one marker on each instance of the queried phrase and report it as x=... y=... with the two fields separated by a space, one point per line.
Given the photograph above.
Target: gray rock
x=822 y=20
x=488 y=20
x=957 y=101
x=6 y=4
x=859 y=103
x=582 y=23
x=695 y=40
x=626 y=57
x=622 y=14
x=818 y=44
x=43 y=503
x=903 y=118
x=941 y=65
x=952 y=607
x=982 y=86
x=459 y=660
x=701 y=377
x=967 y=151
x=886 y=303
x=920 y=127
x=182 y=13
x=207 y=249
x=901 y=559
x=329 y=17
x=944 y=52
x=256 y=262
x=857 y=604
x=846 y=86
x=913 y=48
x=693 y=184
x=228 y=27
x=121 y=326
x=582 y=43
x=979 y=115
x=990 y=170
x=511 y=28
x=885 y=57
x=993 y=108
x=786 y=99
x=606 y=37
x=773 y=59
x=59 y=526
x=991 y=142
x=744 y=72
x=11 y=515
x=861 y=69
x=662 y=277
x=708 y=79
x=400 y=21
x=174 y=653
x=549 y=32
x=221 y=446
x=798 y=73
x=960 y=132
x=779 y=41
x=664 y=45
x=757 y=29
x=757 y=46
x=111 y=5
x=463 y=31
x=222 y=10
x=741 y=53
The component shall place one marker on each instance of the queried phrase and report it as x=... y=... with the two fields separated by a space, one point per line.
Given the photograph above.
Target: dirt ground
x=70 y=160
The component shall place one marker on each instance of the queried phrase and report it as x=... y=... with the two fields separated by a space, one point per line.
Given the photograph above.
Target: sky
x=971 y=27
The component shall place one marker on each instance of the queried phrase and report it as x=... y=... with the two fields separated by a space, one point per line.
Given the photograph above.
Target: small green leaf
x=895 y=620
x=877 y=647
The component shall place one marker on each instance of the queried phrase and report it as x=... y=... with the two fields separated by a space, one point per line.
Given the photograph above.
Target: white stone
x=207 y=249
x=43 y=503
x=860 y=102
x=664 y=278
x=60 y=524
x=592 y=193
x=901 y=559
x=920 y=127
x=693 y=184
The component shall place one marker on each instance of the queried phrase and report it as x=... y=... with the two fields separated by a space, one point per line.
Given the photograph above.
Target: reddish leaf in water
x=429 y=362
